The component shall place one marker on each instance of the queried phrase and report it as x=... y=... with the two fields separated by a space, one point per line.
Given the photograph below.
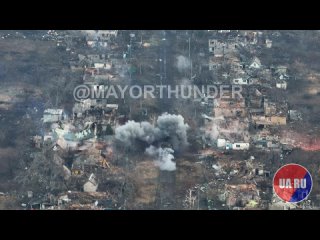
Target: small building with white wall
x=282 y=85
x=52 y=115
x=240 y=146
x=268 y=43
x=221 y=143
x=256 y=64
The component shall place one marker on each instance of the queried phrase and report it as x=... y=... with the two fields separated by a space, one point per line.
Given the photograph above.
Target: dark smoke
x=132 y=131
x=173 y=127
x=169 y=127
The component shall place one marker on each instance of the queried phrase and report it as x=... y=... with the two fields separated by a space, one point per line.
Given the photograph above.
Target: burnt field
x=26 y=69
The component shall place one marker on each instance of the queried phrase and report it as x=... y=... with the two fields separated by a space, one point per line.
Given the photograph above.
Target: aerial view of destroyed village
x=157 y=119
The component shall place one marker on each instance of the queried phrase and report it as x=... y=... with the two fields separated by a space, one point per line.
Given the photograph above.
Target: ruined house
x=255 y=64
x=91 y=185
x=230 y=107
x=222 y=49
x=52 y=115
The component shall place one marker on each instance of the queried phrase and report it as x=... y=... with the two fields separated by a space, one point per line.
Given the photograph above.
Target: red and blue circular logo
x=292 y=183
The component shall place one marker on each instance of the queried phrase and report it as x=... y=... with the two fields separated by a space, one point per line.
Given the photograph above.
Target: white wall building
x=255 y=63
x=240 y=146
x=221 y=143
x=52 y=115
x=282 y=85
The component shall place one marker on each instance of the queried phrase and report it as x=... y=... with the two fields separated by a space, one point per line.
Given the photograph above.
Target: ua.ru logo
x=292 y=183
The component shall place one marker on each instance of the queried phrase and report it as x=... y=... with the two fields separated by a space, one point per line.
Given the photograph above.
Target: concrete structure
x=79 y=108
x=91 y=185
x=242 y=81
x=48 y=137
x=107 y=34
x=255 y=63
x=281 y=70
x=268 y=43
x=215 y=63
x=216 y=47
x=281 y=84
x=240 y=146
x=99 y=37
x=273 y=120
x=221 y=143
x=221 y=49
x=37 y=140
x=52 y=115
x=230 y=107
x=112 y=106
x=228 y=146
x=295 y=115
x=30 y=194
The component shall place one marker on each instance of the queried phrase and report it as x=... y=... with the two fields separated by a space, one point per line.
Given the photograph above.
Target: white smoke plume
x=212 y=128
x=169 y=127
x=163 y=157
x=132 y=130
x=182 y=63
x=230 y=129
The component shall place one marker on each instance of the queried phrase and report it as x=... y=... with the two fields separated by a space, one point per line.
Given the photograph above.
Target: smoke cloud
x=163 y=157
x=232 y=130
x=132 y=131
x=173 y=127
x=169 y=127
x=182 y=63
